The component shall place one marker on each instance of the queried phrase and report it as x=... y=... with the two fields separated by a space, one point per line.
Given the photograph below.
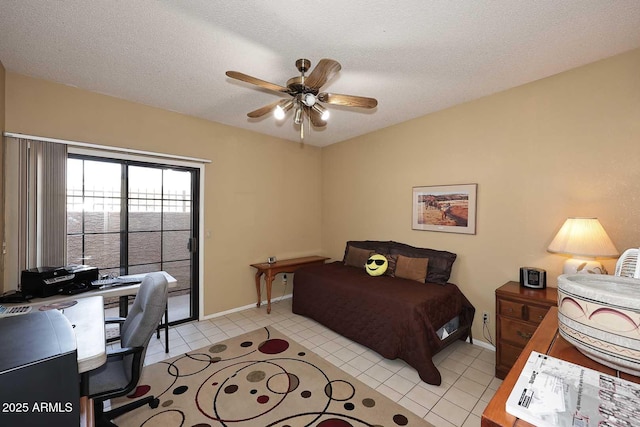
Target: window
x=129 y=217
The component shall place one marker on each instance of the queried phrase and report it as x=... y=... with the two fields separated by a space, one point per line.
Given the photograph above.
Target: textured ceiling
x=414 y=56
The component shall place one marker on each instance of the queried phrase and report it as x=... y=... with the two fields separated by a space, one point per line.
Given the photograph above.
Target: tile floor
x=467 y=370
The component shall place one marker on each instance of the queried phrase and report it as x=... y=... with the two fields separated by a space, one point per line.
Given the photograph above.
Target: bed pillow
x=392 y=260
x=357 y=257
x=440 y=262
x=412 y=268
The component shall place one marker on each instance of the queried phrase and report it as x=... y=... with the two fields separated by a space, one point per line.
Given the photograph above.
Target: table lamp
x=584 y=239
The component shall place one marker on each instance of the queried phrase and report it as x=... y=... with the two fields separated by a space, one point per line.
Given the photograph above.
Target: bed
x=395 y=316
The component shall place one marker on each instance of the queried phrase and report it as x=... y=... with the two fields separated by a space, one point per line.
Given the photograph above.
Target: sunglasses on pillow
x=377 y=261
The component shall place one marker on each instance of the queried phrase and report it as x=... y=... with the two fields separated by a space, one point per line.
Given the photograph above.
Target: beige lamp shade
x=583 y=237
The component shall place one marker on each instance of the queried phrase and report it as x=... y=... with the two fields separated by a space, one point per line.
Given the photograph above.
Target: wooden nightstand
x=519 y=311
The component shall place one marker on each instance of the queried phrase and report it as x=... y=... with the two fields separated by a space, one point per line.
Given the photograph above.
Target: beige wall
x=568 y=145
x=261 y=193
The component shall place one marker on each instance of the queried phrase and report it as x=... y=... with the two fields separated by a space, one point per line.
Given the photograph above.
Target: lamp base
x=583 y=266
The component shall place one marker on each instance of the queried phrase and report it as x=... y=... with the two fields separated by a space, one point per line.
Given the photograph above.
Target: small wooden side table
x=283 y=266
x=546 y=340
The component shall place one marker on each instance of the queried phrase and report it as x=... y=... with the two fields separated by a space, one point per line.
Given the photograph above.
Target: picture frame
x=446 y=208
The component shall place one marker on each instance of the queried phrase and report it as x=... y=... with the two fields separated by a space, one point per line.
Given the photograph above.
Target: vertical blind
x=35 y=207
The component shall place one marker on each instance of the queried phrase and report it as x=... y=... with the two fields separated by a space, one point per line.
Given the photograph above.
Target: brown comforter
x=398 y=318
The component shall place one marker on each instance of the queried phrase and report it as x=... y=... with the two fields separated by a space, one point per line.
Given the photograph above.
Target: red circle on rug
x=263 y=399
x=141 y=390
x=273 y=346
x=334 y=422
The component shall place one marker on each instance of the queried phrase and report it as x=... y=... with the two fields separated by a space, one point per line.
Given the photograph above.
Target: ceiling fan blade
x=347 y=100
x=325 y=69
x=316 y=117
x=255 y=81
x=263 y=110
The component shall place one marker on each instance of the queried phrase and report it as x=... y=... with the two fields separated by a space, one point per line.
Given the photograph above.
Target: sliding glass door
x=127 y=217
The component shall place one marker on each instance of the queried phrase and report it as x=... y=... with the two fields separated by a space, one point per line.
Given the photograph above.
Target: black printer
x=44 y=282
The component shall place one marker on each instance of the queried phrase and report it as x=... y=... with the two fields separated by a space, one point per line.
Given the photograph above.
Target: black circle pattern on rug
x=239 y=381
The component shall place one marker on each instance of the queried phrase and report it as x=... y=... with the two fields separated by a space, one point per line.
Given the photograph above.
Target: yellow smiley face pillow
x=376 y=265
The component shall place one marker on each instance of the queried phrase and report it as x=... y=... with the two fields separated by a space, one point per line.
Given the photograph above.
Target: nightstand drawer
x=536 y=313
x=511 y=309
x=516 y=332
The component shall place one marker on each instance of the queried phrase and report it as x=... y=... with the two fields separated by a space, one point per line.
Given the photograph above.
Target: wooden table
x=283 y=266
x=545 y=340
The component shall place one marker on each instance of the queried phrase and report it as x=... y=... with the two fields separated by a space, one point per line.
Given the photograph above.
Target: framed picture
x=448 y=208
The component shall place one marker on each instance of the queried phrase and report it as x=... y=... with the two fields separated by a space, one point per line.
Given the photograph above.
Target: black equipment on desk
x=39 y=380
x=44 y=282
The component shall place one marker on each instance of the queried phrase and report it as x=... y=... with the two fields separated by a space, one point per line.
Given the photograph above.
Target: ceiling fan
x=305 y=96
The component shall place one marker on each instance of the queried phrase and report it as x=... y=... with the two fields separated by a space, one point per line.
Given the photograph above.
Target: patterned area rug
x=262 y=378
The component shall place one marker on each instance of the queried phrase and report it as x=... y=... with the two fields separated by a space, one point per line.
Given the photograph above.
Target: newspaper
x=552 y=392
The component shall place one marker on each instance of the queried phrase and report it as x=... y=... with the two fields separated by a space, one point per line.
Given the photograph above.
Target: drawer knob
x=510 y=310
x=540 y=317
x=525 y=335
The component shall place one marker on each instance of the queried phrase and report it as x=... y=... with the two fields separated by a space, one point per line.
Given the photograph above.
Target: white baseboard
x=235 y=310
x=483 y=344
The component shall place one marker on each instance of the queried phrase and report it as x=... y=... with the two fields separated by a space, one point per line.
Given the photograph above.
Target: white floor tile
x=472 y=421
x=479 y=408
x=361 y=363
x=455 y=414
x=473 y=388
x=371 y=382
x=414 y=407
x=461 y=398
x=379 y=373
x=437 y=420
x=399 y=384
x=423 y=397
x=345 y=354
x=389 y=392
x=478 y=376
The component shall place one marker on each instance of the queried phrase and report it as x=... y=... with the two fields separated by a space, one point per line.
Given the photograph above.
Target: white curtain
x=35 y=206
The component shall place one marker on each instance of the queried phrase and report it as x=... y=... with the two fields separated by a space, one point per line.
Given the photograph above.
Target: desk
x=122 y=292
x=545 y=340
x=283 y=266
x=87 y=318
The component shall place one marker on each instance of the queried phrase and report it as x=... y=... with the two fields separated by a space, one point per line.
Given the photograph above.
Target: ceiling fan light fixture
x=309 y=99
x=297 y=119
x=278 y=113
x=324 y=113
x=282 y=108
